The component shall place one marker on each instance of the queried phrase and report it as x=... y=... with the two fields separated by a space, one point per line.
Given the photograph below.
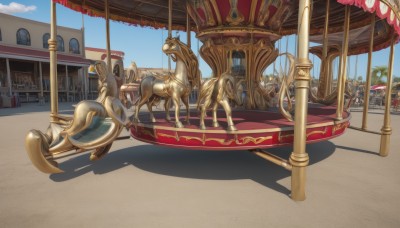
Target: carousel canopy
x=277 y=16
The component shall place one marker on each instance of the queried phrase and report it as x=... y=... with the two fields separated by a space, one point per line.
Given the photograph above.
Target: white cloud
x=14 y=7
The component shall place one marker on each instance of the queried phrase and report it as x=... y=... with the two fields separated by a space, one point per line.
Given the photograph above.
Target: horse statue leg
x=176 y=99
x=225 y=104
x=203 y=110
x=185 y=101
x=166 y=107
x=144 y=98
x=215 y=120
x=202 y=115
x=141 y=102
x=150 y=108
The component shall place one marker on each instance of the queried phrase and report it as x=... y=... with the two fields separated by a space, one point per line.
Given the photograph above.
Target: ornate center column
x=245 y=31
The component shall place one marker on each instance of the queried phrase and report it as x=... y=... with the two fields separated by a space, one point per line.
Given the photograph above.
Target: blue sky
x=143 y=45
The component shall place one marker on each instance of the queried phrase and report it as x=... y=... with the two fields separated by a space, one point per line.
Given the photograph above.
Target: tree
x=378 y=74
x=396 y=79
x=360 y=79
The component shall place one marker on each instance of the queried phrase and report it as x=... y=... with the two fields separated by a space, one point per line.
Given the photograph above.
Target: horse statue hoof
x=231 y=128
x=202 y=127
x=178 y=125
x=215 y=124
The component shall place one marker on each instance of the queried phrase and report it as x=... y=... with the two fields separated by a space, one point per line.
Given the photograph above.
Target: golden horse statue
x=176 y=86
x=129 y=90
x=218 y=91
x=94 y=126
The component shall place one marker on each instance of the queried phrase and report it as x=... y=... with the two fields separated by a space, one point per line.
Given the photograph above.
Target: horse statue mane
x=190 y=60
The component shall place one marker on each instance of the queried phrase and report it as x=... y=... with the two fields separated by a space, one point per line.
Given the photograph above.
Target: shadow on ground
x=212 y=165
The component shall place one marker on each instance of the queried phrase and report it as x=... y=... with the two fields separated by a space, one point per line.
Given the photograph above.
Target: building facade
x=24 y=61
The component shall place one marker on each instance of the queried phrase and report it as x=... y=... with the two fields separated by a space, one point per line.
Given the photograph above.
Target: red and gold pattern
x=263 y=130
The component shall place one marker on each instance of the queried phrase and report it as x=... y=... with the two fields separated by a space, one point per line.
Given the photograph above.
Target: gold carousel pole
x=386 y=129
x=369 y=71
x=329 y=82
x=325 y=50
x=53 y=64
x=188 y=42
x=343 y=68
x=169 y=30
x=299 y=158
x=107 y=9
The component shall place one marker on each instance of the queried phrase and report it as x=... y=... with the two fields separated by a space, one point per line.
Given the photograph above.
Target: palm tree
x=378 y=74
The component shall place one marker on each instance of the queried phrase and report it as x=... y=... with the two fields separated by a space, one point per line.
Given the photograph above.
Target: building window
x=74 y=46
x=60 y=43
x=46 y=38
x=23 y=37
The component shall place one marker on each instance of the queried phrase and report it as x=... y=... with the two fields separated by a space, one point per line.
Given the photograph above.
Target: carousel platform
x=256 y=130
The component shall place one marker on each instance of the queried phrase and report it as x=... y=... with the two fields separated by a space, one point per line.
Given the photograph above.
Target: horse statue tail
x=226 y=83
x=206 y=91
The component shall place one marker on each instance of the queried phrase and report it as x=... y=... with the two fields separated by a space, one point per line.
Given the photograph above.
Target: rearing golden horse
x=177 y=86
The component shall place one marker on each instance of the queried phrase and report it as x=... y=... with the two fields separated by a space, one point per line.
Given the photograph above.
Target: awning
x=378 y=87
x=13 y=52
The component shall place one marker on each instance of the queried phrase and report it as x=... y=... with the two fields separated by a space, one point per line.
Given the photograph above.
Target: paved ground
x=140 y=185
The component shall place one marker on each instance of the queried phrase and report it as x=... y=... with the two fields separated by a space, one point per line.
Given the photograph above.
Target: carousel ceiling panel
x=257 y=12
x=153 y=13
x=278 y=16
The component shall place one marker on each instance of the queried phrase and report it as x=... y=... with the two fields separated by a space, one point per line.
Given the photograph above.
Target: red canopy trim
x=384 y=10
x=126 y=20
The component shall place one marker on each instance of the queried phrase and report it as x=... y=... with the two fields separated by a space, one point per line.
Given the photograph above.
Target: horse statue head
x=181 y=52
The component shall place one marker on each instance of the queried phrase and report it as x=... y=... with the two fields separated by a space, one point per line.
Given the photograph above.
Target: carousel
x=234 y=109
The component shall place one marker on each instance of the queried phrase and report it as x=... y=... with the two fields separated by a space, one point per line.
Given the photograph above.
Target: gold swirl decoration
x=223 y=142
